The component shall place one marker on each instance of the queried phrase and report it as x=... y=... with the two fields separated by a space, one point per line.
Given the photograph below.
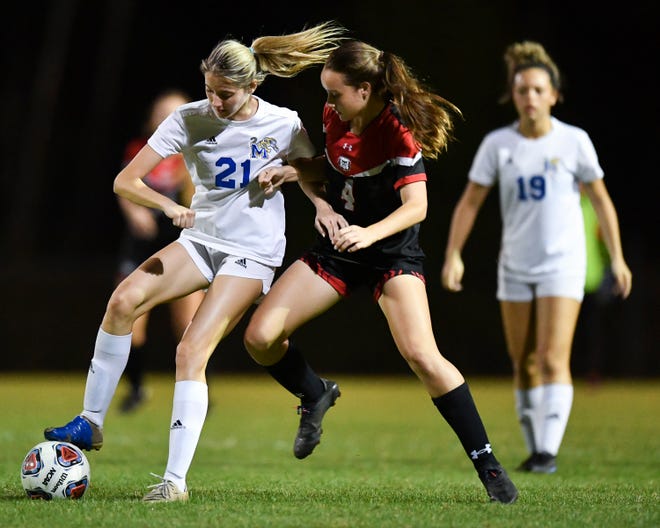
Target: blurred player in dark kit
x=148 y=230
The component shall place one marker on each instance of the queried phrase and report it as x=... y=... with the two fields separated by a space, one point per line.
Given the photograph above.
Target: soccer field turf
x=386 y=459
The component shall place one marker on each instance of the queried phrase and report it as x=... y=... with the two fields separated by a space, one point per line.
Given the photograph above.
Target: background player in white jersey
x=232 y=239
x=539 y=163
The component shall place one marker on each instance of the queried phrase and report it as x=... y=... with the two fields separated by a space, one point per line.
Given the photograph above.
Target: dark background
x=78 y=77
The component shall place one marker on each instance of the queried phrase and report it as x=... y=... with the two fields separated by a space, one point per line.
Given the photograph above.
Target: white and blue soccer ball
x=55 y=470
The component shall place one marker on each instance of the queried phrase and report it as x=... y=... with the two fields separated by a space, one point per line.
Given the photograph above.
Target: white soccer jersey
x=543 y=233
x=224 y=157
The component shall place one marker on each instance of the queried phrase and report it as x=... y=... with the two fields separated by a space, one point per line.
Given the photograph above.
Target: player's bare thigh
x=297 y=296
x=168 y=274
x=225 y=303
x=405 y=305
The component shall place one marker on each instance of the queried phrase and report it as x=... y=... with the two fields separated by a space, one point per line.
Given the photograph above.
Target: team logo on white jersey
x=551 y=165
x=344 y=163
x=262 y=148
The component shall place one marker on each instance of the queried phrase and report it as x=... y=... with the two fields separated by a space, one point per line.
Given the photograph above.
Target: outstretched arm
x=462 y=222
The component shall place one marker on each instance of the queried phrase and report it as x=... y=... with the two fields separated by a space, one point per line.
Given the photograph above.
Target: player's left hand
x=452 y=272
x=622 y=277
x=352 y=238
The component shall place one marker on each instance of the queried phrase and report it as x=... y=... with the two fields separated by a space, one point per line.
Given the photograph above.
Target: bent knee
x=256 y=343
x=262 y=344
x=259 y=337
x=421 y=359
x=123 y=303
x=554 y=362
x=553 y=370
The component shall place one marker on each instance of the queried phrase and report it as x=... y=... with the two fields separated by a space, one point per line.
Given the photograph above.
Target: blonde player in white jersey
x=539 y=164
x=232 y=237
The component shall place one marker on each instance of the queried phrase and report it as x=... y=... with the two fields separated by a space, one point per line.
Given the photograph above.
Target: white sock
x=528 y=406
x=191 y=401
x=108 y=364
x=557 y=403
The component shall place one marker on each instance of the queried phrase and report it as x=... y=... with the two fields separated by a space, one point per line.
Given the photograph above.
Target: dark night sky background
x=78 y=77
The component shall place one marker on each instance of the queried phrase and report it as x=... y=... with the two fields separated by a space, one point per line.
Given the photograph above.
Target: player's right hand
x=181 y=216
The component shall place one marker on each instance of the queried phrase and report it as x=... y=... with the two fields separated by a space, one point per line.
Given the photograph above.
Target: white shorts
x=509 y=289
x=212 y=263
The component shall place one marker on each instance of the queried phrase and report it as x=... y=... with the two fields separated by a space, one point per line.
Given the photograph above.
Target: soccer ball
x=55 y=470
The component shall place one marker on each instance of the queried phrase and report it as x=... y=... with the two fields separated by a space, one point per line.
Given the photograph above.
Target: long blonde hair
x=283 y=55
x=528 y=54
x=427 y=115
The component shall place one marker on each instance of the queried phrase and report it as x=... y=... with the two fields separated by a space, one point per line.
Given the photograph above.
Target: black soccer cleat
x=526 y=465
x=311 y=416
x=544 y=463
x=539 y=463
x=498 y=485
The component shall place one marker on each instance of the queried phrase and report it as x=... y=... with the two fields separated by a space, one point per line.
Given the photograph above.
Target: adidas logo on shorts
x=241 y=262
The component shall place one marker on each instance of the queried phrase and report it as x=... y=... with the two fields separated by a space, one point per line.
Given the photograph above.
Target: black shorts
x=346 y=275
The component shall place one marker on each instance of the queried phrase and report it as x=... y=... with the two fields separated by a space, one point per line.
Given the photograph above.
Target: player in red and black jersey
x=379 y=121
x=365 y=174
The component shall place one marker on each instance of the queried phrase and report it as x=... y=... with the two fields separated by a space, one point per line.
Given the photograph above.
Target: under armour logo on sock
x=475 y=454
x=177 y=425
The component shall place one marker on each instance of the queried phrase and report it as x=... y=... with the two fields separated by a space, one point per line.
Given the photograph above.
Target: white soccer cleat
x=165 y=491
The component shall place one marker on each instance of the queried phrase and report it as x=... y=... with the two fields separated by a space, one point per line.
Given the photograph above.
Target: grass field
x=387 y=459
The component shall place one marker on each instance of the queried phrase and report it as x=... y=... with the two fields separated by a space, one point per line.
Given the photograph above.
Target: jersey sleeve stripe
x=409 y=179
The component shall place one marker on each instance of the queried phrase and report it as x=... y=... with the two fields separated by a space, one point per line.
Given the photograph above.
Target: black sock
x=295 y=375
x=134 y=370
x=458 y=408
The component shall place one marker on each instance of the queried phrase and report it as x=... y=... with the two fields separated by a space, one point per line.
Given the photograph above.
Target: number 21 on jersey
x=227 y=177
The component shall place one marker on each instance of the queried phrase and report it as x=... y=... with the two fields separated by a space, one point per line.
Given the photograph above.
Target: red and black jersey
x=365 y=174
